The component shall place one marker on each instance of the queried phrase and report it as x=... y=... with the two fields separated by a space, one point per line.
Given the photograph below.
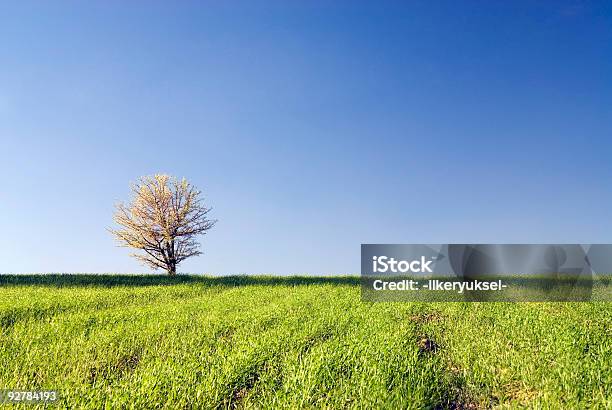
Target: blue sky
x=312 y=127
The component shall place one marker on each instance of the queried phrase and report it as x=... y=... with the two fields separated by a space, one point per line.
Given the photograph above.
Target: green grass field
x=185 y=342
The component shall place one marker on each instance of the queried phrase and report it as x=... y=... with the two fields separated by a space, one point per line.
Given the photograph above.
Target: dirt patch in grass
x=461 y=406
x=427 y=345
x=241 y=391
x=125 y=365
x=239 y=395
x=225 y=335
x=426 y=317
x=458 y=398
x=520 y=394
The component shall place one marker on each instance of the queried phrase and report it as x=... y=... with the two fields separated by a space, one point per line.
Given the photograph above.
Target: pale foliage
x=163 y=219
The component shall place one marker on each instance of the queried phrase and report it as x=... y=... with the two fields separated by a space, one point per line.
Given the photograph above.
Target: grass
x=151 y=341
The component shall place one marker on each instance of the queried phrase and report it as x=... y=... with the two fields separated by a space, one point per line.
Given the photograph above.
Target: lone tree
x=162 y=220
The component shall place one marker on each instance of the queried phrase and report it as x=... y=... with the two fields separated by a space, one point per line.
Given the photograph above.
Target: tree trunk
x=172 y=268
x=171 y=259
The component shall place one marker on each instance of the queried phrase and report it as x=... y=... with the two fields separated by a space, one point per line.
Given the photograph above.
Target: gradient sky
x=312 y=127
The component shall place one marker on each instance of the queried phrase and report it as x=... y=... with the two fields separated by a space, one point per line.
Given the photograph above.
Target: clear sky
x=311 y=126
